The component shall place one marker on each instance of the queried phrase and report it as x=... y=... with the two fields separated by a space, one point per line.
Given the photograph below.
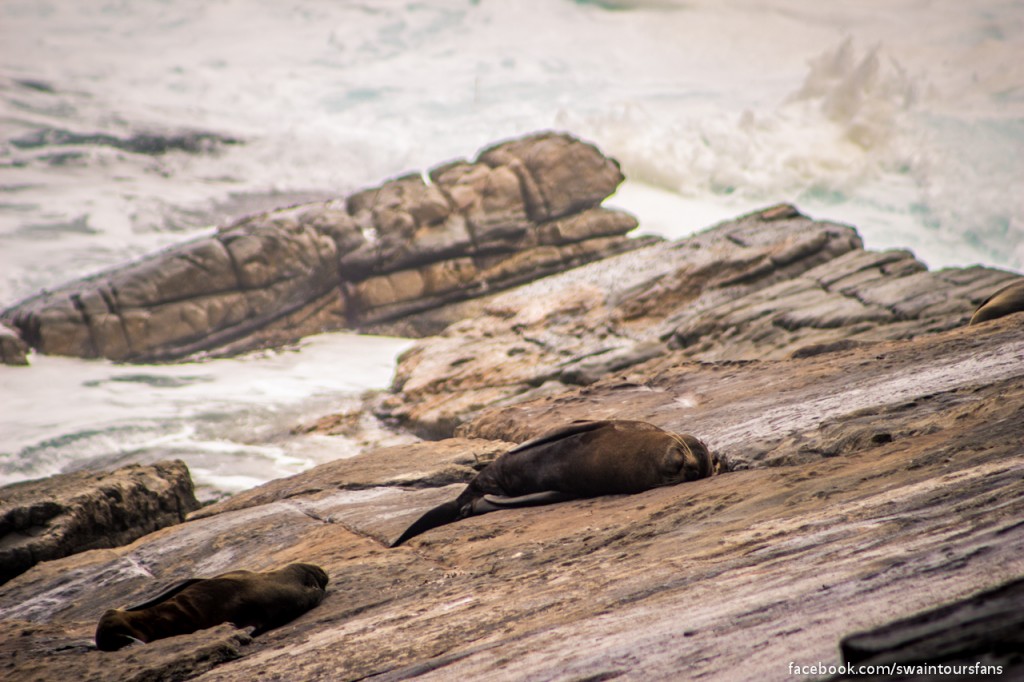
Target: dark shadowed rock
x=985 y=628
x=61 y=515
x=153 y=143
x=525 y=209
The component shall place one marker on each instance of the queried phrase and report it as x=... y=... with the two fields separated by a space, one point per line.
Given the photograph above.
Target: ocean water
x=126 y=126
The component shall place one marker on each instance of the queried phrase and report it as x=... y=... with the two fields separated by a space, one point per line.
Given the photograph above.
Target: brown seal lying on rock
x=245 y=598
x=1009 y=299
x=583 y=459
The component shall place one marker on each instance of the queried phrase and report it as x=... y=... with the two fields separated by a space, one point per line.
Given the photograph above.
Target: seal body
x=582 y=459
x=245 y=598
x=1008 y=300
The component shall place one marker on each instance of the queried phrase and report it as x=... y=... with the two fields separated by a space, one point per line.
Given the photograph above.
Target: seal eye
x=675 y=463
x=113 y=638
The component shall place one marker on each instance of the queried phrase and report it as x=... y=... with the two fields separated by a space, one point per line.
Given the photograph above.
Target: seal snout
x=116 y=632
x=311 y=575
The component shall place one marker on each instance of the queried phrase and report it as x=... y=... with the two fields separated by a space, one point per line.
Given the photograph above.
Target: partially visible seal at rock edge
x=1008 y=300
x=582 y=459
x=246 y=598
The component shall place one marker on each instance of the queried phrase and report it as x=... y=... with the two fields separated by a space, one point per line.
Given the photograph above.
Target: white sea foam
x=229 y=420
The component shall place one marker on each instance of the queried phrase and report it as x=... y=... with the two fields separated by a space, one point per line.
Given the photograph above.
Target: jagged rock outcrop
x=524 y=209
x=770 y=285
x=53 y=517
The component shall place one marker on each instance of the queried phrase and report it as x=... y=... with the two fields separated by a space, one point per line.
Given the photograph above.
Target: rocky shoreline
x=521 y=210
x=873 y=442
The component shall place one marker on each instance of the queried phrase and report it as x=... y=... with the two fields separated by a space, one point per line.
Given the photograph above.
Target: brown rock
x=559 y=175
x=733 y=576
x=874 y=441
x=618 y=308
x=404 y=248
x=490 y=199
x=176 y=658
x=739 y=408
x=13 y=350
x=61 y=515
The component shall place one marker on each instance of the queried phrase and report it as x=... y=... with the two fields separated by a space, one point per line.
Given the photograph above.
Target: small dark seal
x=1008 y=300
x=582 y=459
x=246 y=598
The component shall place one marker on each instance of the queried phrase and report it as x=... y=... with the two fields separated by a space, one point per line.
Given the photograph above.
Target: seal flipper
x=165 y=595
x=438 y=516
x=489 y=503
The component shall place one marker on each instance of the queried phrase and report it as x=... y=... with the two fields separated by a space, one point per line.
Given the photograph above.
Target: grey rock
x=918 y=504
x=69 y=513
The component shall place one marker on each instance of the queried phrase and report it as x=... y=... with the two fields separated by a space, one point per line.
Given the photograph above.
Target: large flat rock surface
x=913 y=499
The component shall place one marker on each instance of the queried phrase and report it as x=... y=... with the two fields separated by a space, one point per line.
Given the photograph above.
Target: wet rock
x=525 y=209
x=61 y=515
x=418 y=465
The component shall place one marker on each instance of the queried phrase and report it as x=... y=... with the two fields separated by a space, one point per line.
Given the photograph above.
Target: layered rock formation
x=522 y=210
x=61 y=515
x=768 y=286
